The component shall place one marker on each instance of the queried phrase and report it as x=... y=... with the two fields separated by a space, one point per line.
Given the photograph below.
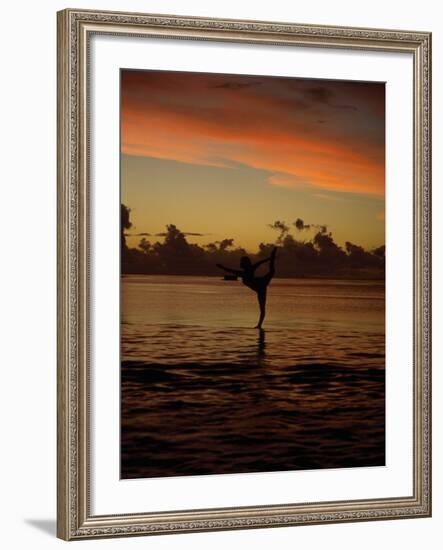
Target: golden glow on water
x=203 y=392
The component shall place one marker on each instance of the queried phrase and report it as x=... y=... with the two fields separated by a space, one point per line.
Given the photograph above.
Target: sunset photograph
x=252 y=235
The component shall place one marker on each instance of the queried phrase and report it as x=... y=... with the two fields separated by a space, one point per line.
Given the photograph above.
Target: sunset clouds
x=324 y=135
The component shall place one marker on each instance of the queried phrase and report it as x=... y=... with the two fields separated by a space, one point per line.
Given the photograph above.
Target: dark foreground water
x=204 y=393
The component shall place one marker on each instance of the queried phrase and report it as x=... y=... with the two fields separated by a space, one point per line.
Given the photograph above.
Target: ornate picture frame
x=75 y=518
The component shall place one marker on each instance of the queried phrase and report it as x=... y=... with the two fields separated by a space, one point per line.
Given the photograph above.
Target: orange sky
x=323 y=140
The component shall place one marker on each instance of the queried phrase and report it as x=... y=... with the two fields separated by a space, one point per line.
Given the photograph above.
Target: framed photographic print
x=244 y=284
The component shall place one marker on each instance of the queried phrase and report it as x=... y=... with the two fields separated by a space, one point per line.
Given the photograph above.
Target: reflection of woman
x=257 y=284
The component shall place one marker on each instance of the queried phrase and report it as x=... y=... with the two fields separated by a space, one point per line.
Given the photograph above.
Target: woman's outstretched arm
x=254 y=266
x=260 y=262
x=270 y=259
x=234 y=271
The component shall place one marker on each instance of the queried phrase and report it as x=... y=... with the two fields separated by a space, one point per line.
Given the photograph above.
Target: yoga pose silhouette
x=258 y=284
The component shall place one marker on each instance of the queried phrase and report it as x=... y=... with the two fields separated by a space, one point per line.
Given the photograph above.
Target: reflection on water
x=204 y=393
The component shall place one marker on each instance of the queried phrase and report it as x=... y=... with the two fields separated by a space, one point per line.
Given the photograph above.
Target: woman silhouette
x=258 y=284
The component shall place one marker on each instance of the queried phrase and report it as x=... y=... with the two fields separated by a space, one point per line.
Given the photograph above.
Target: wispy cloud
x=265 y=123
x=187 y=233
x=325 y=197
x=287 y=180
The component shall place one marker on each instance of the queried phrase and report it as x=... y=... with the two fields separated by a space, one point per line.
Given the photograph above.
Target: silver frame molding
x=74 y=518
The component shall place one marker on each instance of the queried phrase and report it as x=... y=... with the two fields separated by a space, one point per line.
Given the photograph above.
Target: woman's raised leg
x=272 y=262
x=270 y=274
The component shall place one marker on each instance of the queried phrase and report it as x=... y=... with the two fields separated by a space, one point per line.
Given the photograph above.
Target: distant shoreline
x=220 y=277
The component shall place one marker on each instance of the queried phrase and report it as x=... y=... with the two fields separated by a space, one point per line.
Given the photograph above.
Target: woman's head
x=245 y=262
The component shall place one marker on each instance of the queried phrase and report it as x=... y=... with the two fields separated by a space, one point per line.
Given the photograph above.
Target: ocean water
x=203 y=392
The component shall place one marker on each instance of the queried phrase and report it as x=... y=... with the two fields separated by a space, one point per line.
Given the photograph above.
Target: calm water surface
x=205 y=393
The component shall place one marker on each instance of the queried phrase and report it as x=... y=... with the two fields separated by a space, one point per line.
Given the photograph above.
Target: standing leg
x=261 y=295
x=262 y=285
